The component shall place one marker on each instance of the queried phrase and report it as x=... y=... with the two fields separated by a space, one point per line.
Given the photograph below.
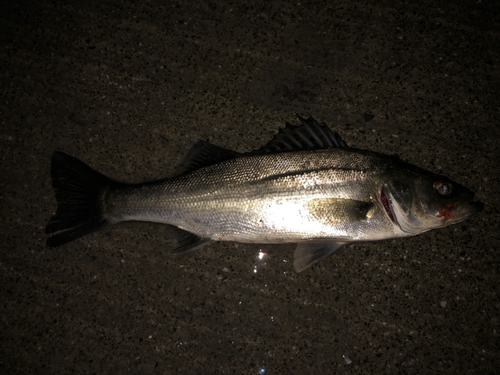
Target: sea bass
x=306 y=186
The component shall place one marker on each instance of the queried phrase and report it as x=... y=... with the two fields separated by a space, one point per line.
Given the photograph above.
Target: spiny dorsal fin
x=308 y=136
x=203 y=154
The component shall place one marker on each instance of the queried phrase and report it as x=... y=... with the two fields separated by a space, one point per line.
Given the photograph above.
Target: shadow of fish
x=306 y=186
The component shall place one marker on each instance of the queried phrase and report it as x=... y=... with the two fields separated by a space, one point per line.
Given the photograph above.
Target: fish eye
x=443 y=188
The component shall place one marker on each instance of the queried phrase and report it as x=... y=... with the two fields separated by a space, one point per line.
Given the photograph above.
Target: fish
x=305 y=187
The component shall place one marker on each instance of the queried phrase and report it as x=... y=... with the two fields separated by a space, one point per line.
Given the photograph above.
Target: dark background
x=129 y=88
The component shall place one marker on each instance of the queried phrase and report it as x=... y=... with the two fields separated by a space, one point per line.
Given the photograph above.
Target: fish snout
x=468 y=209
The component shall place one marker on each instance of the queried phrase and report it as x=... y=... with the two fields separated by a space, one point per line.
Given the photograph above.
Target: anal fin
x=189 y=242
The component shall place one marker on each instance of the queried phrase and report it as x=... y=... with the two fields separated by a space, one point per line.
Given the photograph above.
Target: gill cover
x=417 y=200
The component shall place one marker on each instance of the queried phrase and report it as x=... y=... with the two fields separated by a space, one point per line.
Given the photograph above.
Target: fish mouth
x=459 y=211
x=466 y=210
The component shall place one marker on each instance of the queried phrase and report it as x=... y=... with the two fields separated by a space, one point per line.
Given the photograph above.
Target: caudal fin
x=79 y=192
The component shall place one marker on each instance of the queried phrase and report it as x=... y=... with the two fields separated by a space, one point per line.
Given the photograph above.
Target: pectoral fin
x=331 y=211
x=308 y=253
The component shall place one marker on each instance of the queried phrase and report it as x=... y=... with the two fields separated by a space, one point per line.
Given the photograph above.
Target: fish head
x=417 y=201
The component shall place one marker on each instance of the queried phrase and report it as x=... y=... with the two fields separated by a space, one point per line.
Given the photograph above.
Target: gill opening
x=387 y=203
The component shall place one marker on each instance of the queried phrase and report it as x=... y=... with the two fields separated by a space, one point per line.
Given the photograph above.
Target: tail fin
x=79 y=192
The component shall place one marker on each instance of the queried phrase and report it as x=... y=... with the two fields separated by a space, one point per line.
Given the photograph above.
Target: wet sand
x=129 y=88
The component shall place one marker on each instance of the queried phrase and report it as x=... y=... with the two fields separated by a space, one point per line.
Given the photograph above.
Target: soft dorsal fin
x=203 y=154
x=308 y=136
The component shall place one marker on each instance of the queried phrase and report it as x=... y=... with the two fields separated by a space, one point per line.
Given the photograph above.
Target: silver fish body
x=274 y=198
x=292 y=191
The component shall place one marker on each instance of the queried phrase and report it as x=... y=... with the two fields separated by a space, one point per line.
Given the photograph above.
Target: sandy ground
x=130 y=88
